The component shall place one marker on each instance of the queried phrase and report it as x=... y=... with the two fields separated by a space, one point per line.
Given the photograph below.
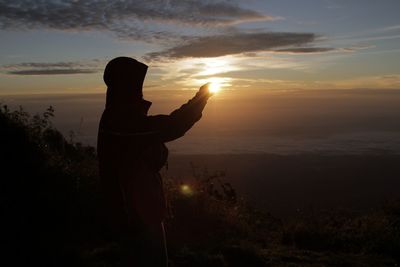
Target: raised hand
x=204 y=91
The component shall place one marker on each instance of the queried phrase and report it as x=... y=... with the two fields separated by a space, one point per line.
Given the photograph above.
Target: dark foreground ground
x=241 y=210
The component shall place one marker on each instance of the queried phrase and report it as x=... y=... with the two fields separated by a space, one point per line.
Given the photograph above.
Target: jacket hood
x=124 y=77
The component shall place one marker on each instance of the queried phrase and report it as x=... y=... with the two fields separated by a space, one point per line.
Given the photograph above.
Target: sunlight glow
x=212 y=66
x=214 y=87
x=216 y=84
x=194 y=73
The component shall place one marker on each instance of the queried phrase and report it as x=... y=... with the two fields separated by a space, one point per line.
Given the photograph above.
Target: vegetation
x=50 y=203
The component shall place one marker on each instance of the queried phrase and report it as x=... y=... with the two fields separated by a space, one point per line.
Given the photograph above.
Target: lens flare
x=186 y=190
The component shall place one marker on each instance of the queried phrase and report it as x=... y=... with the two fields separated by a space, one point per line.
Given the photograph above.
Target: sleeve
x=175 y=125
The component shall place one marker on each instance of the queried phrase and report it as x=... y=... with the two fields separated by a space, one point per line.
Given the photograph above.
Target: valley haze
x=287 y=152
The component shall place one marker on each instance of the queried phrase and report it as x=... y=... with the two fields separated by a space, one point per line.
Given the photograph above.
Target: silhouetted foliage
x=376 y=233
x=42 y=178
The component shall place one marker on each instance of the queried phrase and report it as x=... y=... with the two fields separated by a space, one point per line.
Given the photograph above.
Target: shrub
x=42 y=181
x=376 y=233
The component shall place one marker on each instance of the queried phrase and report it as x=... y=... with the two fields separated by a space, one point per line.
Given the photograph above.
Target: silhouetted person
x=131 y=152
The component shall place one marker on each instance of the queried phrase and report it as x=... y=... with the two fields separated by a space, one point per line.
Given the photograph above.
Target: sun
x=214 y=87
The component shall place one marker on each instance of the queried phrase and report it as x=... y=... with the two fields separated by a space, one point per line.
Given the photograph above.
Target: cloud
x=236 y=43
x=305 y=50
x=45 y=65
x=51 y=72
x=391 y=28
x=127 y=19
x=313 y=50
x=58 y=68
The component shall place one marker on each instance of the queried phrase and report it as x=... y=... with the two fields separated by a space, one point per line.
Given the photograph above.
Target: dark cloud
x=305 y=50
x=51 y=71
x=310 y=50
x=58 y=68
x=237 y=43
x=45 y=65
x=125 y=18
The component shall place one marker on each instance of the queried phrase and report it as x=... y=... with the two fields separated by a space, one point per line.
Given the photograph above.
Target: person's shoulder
x=159 y=117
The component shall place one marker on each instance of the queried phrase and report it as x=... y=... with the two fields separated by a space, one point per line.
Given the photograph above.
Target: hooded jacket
x=131 y=147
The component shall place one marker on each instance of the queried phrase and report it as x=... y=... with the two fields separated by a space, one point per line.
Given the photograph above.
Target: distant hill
x=289 y=185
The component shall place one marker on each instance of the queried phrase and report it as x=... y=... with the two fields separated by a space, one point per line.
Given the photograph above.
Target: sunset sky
x=62 y=46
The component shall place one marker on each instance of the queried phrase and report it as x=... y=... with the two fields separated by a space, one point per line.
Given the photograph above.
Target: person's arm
x=175 y=125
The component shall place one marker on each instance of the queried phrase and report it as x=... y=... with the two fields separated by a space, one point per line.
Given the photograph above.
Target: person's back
x=131 y=152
